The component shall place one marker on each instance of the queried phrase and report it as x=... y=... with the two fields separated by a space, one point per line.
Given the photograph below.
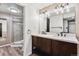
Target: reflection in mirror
x=69 y=21
x=59 y=21
x=69 y=25
x=56 y=24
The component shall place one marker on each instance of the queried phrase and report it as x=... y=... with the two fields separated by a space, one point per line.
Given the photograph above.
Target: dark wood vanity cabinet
x=54 y=47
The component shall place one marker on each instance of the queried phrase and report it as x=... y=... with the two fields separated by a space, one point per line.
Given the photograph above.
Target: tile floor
x=10 y=51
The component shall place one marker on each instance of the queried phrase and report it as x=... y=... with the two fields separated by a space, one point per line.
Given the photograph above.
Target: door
x=17 y=31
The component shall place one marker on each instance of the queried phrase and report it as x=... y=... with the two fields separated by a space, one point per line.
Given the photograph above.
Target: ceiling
x=7 y=8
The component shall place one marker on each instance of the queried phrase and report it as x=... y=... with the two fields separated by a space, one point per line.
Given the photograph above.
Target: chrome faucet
x=43 y=32
x=61 y=33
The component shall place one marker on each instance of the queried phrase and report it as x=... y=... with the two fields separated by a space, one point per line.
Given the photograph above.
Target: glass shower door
x=17 y=31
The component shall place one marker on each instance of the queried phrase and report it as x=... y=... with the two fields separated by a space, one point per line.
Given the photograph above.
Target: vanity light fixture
x=60 y=8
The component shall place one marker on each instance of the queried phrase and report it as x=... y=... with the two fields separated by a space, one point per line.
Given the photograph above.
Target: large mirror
x=59 y=21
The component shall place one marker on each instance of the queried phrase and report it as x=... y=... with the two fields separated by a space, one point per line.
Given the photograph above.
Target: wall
x=31 y=21
x=77 y=20
x=77 y=24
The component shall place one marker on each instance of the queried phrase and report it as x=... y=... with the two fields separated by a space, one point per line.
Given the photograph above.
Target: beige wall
x=77 y=24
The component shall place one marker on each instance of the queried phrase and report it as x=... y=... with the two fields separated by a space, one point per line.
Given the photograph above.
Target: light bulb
x=67 y=8
x=57 y=12
x=60 y=8
x=62 y=11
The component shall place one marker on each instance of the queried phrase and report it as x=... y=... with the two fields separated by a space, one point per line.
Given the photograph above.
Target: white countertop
x=59 y=38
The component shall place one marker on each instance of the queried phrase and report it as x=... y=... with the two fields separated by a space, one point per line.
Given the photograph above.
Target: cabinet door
x=45 y=45
x=36 y=41
x=56 y=48
x=42 y=44
x=70 y=48
x=63 y=48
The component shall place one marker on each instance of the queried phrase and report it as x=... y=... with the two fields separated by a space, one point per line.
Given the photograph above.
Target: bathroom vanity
x=53 y=45
x=57 y=33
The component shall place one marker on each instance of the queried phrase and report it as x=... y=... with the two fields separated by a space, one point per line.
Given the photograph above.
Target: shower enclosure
x=13 y=15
